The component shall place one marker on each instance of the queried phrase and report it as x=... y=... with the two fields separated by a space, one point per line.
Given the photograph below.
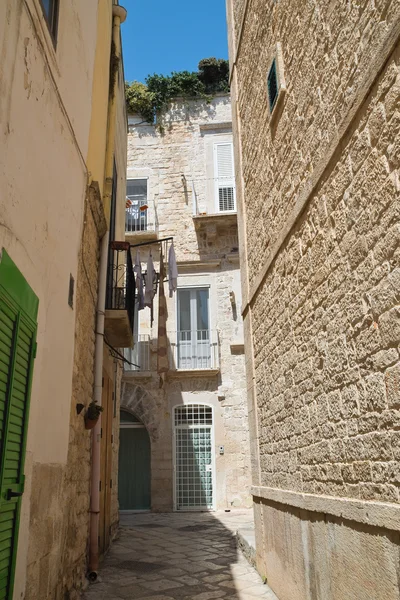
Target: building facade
x=184 y=433
x=63 y=123
x=316 y=98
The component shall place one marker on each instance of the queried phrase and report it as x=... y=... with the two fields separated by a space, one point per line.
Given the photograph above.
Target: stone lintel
x=376 y=514
x=237 y=347
x=194 y=265
x=211 y=126
x=233 y=257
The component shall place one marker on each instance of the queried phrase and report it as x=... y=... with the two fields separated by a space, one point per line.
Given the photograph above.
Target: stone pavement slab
x=179 y=556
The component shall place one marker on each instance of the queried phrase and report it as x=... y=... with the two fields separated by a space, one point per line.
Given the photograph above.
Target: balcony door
x=136 y=211
x=193 y=336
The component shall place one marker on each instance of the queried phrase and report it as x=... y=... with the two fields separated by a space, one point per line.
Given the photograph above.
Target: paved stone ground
x=185 y=556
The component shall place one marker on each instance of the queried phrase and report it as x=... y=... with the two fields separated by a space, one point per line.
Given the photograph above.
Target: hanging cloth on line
x=149 y=283
x=172 y=271
x=149 y=287
x=139 y=281
x=162 y=350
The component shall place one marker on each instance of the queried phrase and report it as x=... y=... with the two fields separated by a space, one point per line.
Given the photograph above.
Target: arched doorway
x=134 y=464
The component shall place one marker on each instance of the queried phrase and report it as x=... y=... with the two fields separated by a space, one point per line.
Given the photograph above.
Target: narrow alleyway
x=187 y=556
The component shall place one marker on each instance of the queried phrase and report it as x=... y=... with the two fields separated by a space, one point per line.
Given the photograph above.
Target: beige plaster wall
x=49 y=228
x=44 y=136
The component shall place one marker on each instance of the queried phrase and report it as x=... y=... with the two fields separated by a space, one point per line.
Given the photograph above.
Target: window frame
x=217 y=185
x=192 y=288
x=146 y=219
x=52 y=20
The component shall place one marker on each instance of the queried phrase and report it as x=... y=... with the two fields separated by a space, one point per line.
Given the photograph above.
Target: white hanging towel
x=172 y=271
x=139 y=280
x=149 y=288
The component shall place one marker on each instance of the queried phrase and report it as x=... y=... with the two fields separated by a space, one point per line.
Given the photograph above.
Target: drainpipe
x=119 y=16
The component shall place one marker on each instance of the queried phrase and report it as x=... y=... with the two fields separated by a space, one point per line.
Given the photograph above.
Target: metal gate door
x=134 y=465
x=194 y=457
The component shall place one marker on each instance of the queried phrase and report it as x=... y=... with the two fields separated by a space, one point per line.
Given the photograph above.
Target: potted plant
x=92 y=414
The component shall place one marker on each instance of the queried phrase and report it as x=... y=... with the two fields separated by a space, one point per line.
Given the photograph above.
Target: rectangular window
x=224 y=177
x=193 y=335
x=50 y=10
x=136 y=216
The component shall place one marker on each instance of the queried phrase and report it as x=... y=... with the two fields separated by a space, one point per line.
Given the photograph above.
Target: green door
x=134 y=465
x=18 y=314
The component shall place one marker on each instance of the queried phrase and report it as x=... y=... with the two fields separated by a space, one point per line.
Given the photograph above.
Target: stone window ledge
x=188 y=373
x=128 y=375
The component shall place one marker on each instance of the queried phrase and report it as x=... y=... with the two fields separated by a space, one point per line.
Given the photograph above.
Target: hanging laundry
x=149 y=283
x=172 y=271
x=162 y=350
x=139 y=281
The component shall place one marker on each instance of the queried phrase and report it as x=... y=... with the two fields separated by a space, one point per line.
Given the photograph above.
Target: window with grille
x=193 y=455
x=193 y=414
x=224 y=177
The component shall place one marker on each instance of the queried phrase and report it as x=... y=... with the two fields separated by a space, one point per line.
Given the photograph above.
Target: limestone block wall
x=164 y=156
x=177 y=160
x=321 y=201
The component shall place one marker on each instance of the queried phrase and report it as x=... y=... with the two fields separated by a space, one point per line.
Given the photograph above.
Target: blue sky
x=160 y=37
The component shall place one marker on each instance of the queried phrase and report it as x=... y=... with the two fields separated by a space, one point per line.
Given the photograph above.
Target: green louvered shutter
x=18 y=311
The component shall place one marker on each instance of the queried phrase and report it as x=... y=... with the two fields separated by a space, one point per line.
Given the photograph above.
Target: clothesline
x=147 y=281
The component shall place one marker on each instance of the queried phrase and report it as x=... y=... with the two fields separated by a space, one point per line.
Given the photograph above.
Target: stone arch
x=137 y=400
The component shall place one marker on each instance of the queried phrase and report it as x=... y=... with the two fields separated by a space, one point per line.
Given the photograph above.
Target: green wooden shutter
x=18 y=313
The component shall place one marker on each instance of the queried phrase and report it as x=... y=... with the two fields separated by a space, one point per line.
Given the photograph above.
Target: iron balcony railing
x=140 y=215
x=194 y=349
x=139 y=355
x=120 y=294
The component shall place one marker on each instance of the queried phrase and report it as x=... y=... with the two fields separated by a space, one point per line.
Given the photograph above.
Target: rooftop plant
x=152 y=98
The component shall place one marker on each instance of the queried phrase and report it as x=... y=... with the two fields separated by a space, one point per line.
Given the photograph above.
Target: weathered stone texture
x=327 y=328
x=328 y=48
x=322 y=207
x=176 y=160
x=164 y=156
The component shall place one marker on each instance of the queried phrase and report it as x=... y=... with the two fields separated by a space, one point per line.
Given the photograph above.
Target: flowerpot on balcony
x=92 y=415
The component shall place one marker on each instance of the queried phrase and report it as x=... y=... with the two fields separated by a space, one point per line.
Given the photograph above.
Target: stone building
x=184 y=434
x=316 y=99
x=62 y=197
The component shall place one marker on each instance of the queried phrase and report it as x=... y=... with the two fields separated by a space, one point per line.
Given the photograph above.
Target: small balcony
x=194 y=352
x=212 y=224
x=139 y=357
x=141 y=222
x=120 y=297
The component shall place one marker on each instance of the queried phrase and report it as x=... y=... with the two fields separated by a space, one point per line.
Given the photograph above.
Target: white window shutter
x=225 y=177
